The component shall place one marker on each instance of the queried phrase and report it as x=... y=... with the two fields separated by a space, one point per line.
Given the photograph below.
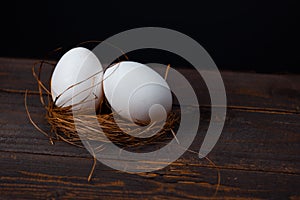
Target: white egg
x=77 y=79
x=136 y=92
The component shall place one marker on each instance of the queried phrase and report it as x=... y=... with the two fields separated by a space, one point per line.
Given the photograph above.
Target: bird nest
x=63 y=127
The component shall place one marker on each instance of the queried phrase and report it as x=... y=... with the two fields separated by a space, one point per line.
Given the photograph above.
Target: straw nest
x=63 y=127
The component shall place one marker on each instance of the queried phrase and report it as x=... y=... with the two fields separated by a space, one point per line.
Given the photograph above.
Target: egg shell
x=136 y=92
x=80 y=68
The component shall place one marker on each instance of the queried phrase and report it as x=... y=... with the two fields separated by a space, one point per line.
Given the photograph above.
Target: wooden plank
x=258 y=152
x=243 y=89
x=250 y=140
x=34 y=176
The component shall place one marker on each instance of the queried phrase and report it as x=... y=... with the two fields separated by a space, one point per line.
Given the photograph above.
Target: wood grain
x=257 y=154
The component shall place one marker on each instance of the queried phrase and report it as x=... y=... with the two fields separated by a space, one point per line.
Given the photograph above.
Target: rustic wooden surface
x=257 y=154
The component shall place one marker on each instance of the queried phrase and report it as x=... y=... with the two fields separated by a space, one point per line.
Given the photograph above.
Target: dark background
x=250 y=35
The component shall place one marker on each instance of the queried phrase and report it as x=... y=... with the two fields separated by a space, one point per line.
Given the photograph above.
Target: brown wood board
x=257 y=154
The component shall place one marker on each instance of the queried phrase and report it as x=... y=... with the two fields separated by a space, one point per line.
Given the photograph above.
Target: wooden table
x=257 y=154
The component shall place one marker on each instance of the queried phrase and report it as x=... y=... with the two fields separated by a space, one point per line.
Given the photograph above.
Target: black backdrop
x=254 y=35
